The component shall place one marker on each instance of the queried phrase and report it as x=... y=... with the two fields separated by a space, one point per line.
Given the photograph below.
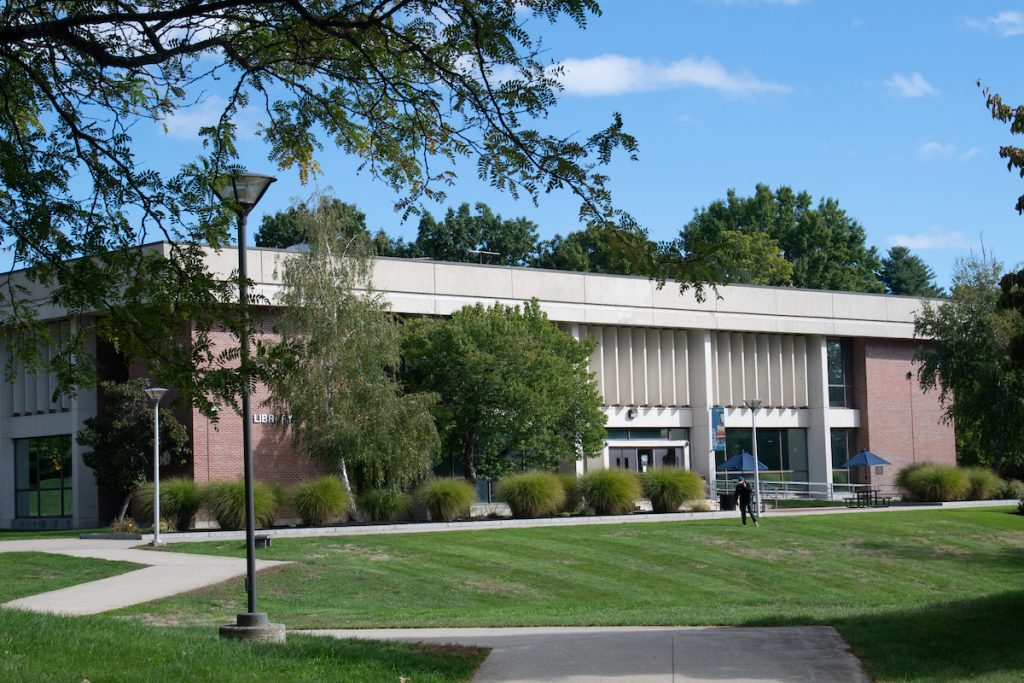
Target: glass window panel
x=50 y=503
x=621 y=434
x=679 y=434
x=837 y=397
x=21 y=464
x=636 y=434
x=769 y=448
x=737 y=439
x=840 y=477
x=68 y=502
x=835 y=361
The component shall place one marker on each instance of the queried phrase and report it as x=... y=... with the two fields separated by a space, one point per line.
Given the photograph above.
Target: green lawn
x=923 y=595
x=30 y=573
x=48 y=648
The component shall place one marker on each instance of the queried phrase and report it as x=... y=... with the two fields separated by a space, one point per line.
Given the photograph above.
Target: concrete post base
x=254 y=627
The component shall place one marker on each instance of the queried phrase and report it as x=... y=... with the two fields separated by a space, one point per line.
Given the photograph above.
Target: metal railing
x=803 y=490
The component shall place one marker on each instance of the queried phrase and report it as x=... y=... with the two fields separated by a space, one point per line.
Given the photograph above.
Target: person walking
x=743 y=500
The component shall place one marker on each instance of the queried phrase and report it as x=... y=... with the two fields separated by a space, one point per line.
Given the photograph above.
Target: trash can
x=726 y=501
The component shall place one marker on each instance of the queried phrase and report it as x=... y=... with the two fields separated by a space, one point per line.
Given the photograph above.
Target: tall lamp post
x=155 y=394
x=754 y=404
x=241 y=192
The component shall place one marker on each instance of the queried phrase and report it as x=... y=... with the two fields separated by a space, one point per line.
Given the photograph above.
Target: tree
x=283 y=229
x=514 y=389
x=599 y=249
x=825 y=247
x=906 y=274
x=409 y=87
x=1012 y=283
x=120 y=440
x=462 y=236
x=334 y=368
x=965 y=358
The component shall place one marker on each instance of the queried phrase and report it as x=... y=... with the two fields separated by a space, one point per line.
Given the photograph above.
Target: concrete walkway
x=646 y=654
x=164 y=574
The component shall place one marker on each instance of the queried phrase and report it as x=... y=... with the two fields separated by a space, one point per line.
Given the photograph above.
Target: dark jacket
x=743 y=492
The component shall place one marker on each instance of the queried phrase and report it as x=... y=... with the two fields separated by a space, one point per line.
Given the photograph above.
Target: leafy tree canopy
x=906 y=274
x=409 y=87
x=334 y=369
x=599 y=249
x=284 y=228
x=825 y=247
x=120 y=439
x=966 y=360
x=514 y=389
x=1012 y=283
x=464 y=236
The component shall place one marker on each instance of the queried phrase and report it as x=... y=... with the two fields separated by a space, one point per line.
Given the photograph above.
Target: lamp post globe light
x=240 y=192
x=155 y=394
x=754 y=404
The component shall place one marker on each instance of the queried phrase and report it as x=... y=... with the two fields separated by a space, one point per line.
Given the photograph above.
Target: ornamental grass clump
x=446 y=499
x=935 y=483
x=382 y=505
x=319 y=501
x=985 y=484
x=669 y=487
x=532 y=494
x=1012 y=489
x=573 y=494
x=610 y=492
x=225 y=501
x=180 y=500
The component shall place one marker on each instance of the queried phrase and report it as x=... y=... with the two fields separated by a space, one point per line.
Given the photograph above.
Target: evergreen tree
x=906 y=274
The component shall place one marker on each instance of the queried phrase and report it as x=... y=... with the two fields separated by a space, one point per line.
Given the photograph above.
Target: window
x=42 y=472
x=783 y=451
x=670 y=434
x=842 y=449
x=840 y=373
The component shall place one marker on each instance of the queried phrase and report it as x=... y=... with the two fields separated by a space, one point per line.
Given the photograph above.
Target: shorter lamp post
x=754 y=404
x=155 y=394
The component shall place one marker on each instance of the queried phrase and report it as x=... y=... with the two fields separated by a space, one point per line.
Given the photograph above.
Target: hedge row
x=927 y=482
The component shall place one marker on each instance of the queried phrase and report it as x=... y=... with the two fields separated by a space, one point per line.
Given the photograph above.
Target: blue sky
x=872 y=103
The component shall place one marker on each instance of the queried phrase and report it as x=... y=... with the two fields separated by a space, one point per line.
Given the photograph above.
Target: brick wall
x=217 y=446
x=898 y=421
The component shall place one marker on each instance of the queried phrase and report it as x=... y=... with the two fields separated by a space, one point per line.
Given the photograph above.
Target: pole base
x=254 y=626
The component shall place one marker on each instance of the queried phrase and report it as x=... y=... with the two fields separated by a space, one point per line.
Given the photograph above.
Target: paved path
x=164 y=575
x=812 y=654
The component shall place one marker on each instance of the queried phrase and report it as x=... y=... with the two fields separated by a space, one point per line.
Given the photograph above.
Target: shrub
x=319 y=501
x=669 y=487
x=125 y=525
x=381 y=505
x=935 y=483
x=610 y=492
x=985 y=484
x=446 y=498
x=225 y=500
x=1012 y=489
x=532 y=494
x=904 y=476
x=180 y=500
x=573 y=495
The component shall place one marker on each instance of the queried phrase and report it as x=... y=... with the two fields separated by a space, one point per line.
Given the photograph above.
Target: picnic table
x=868 y=498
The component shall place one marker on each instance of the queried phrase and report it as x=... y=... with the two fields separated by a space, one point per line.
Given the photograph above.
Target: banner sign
x=717 y=428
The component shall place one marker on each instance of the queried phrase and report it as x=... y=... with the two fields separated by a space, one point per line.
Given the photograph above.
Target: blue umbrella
x=741 y=462
x=865 y=459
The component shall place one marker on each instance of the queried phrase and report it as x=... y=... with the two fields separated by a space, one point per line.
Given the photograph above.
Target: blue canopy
x=865 y=459
x=741 y=462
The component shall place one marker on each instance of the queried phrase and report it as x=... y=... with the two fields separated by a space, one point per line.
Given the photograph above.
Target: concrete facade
x=662 y=360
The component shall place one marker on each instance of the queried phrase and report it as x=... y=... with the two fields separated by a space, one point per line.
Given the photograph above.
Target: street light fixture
x=155 y=394
x=241 y=192
x=754 y=404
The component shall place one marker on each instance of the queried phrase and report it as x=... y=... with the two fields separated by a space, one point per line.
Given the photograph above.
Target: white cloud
x=969 y=153
x=616 y=75
x=185 y=123
x=1006 y=24
x=913 y=85
x=932 y=149
x=934 y=237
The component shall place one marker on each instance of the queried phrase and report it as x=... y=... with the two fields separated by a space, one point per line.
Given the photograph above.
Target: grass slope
x=48 y=648
x=30 y=573
x=898 y=585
